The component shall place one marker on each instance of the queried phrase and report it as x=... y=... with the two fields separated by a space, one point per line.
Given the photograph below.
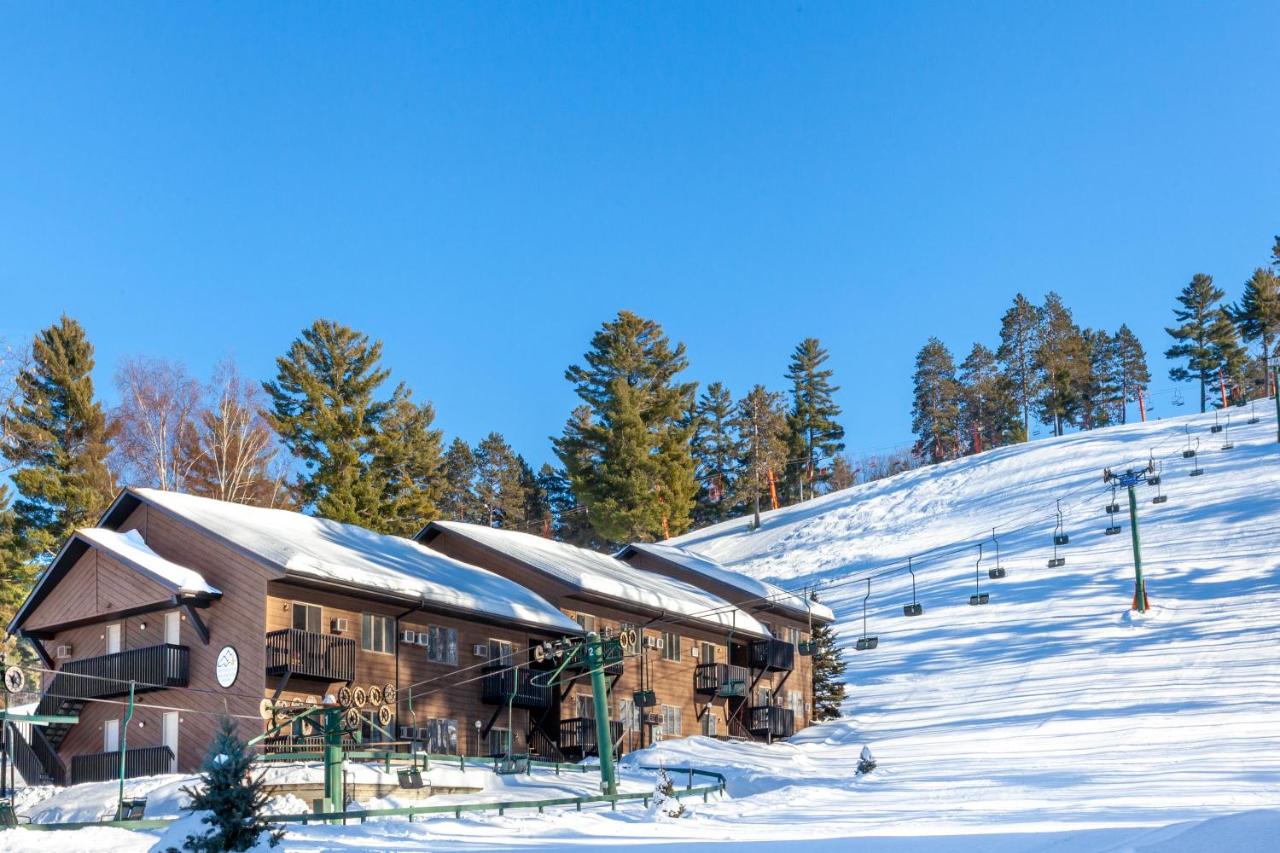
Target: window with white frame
x=709 y=724
x=628 y=715
x=442 y=736
x=442 y=645
x=498 y=741
x=670 y=646
x=377 y=633
x=795 y=701
x=707 y=653
x=671 y=726
x=306 y=617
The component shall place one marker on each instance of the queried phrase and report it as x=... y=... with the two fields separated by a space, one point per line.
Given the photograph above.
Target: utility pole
x=604 y=737
x=1129 y=479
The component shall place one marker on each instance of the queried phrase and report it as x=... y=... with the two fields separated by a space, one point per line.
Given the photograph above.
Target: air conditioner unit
x=338 y=626
x=424 y=639
x=650 y=642
x=408 y=636
x=406 y=732
x=480 y=650
x=424 y=733
x=62 y=652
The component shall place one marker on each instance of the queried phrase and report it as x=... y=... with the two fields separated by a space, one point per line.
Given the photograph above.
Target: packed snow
x=603 y=574
x=319 y=549
x=1051 y=720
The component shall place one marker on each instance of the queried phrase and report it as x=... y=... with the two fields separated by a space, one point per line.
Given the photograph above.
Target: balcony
x=305 y=654
x=772 y=655
x=108 y=676
x=105 y=766
x=720 y=679
x=578 y=736
x=771 y=721
x=501 y=684
x=611 y=651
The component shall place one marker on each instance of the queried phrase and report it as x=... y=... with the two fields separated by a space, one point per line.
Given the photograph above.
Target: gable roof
x=606 y=576
x=316 y=549
x=762 y=593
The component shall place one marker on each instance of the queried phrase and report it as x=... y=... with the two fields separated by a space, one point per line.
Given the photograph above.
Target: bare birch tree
x=158 y=406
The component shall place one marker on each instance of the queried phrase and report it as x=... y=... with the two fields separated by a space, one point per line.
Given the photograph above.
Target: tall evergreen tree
x=1206 y=339
x=458 y=501
x=816 y=436
x=1061 y=358
x=58 y=439
x=1099 y=394
x=1129 y=369
x=630 y=464
x=1020 y=330
x=407 y=466
x=761 y=423
x=716 y=453
x=989 y=411
x=498 y=483
x=828 y=674
x=537 y=502
x=569 y=521
x=935 y=412
x=1257 y=315
x=18 y=573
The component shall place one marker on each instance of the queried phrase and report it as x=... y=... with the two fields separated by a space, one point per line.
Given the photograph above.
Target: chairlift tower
x=1129 y=479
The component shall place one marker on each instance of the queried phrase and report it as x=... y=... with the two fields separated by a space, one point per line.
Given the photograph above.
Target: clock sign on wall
x=227 y=666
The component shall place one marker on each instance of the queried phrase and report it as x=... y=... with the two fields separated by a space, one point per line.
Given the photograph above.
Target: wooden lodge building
x=204 y=607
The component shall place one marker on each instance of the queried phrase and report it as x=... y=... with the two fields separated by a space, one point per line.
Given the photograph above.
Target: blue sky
x=481 y=185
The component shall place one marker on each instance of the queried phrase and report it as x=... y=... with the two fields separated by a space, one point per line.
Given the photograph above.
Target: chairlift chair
x=1059 y=538
x=915 y=608
x=1196 y=471
x=1253 y=411
x=1114 y=506
x=1189 y=452
x=1217 y=427
x=978 y=597
x=998 y=572
x=1227 y=443
x=866 y=643
x=1155 y=469
x=1160 y=497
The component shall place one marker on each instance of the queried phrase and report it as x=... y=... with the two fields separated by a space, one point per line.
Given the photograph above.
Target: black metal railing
x=105 y=766
x=25 y=758
x=52 y=763
x=519 y=686
x=543 y=747
x=771 y=721
x=772 y=655
x=720 y=679
x=578 y=736
x=610 y=650
x=310 y=655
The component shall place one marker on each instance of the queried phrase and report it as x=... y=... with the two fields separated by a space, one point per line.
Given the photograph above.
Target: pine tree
x=59 y=441
x=325 y=409
x=828 y=674
x=1020 y=331
x=989 y=412
x=537 y=503
x=715 y=452
x=458 y=501
x=233 y=795
x=935 y=413
x=630 y=463
x=1097 y=390
x=1129 y=369
x=1062 y=360
x=815 y=434
x=407 y=466
x=1206 y=339
x=498 y=483
x=569 y=522
x=761 y=424
x=18 y=574
x=1257 y=315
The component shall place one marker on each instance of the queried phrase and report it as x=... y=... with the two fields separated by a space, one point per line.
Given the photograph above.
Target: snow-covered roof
x=761 y=592
x=602 y=574
x=130 y=548
x=315 y=548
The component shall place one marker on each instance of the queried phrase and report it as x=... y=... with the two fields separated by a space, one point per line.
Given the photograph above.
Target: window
x=442 y=645
x=586 y=706
x=628 y=714
x=707 y=654
x=670 y=646
x=500 y=651
x=795 y=701
x=762 y=696
x=670 y=722
x=709 y=724
x=586 y=620
x=442 y=736
x=377 y=633
x=306 y=617
x=792 y=635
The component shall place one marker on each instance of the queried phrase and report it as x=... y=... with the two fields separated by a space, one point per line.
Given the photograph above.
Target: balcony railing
x=720 y=679
x=150 y=668
x=772 y=655
x=310 y=655
x=519 y=686
x=105 y=766
x=610 y=650
x=772 y=721
x=578 y=736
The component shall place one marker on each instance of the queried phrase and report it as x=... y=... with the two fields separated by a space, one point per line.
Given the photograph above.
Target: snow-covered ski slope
x=1053 y=706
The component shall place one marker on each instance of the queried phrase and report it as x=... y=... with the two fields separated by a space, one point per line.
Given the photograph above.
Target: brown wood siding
x=96 y=584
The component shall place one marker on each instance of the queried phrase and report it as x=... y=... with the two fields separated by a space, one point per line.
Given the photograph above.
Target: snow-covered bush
x=665 y=802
